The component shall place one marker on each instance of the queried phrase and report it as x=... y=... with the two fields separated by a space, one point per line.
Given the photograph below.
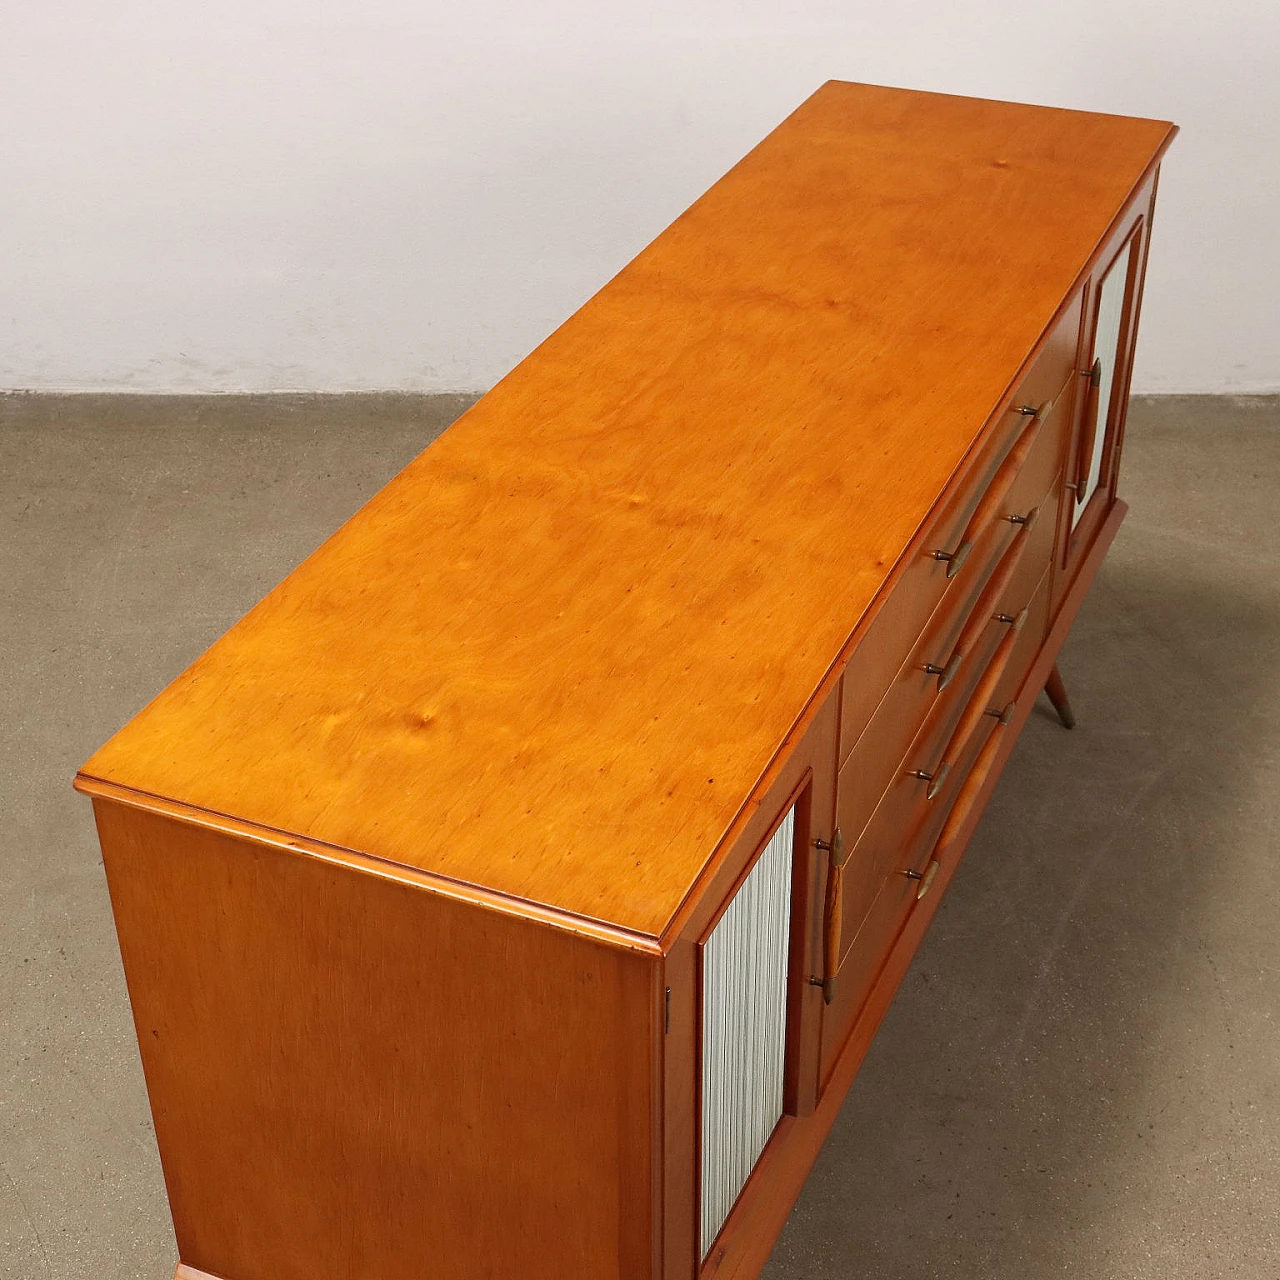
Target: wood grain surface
x=351 y=1077
x=556 y=654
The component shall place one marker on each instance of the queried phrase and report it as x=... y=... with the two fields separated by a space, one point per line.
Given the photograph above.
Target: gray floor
x=1081 y=1074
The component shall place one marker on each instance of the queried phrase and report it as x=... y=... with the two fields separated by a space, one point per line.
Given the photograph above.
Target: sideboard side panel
x=352 y=1076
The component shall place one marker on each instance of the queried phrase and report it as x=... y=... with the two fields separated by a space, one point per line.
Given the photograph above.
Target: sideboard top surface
x=553 y=657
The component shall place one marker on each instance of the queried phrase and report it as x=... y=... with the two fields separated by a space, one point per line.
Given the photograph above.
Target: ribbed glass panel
x=744 y=1028
x=1106 y=346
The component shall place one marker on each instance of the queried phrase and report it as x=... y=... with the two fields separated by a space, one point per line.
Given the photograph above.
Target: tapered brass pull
x=954 y=559
x=1028 y=522
x=947 y=673
x=996 y=587
x=1005 y=714
x=1015 y=620
x=835 y=848
x=934 y=779
x=972 y=716
x=1030 y=410
x=926 y=881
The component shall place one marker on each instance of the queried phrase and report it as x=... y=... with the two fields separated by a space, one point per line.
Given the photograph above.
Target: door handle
x=832 y=915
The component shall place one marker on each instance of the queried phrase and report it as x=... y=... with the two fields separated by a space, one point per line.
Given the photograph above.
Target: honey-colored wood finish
x=350 y=1077
x=413 y=869
x=465 y=679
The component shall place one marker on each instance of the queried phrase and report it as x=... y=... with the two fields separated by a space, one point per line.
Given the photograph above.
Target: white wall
x=348 y=194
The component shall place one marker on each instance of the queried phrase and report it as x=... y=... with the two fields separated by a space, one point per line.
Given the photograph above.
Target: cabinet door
x=1105 y=391
x=1105 y=365
x=742 y=1014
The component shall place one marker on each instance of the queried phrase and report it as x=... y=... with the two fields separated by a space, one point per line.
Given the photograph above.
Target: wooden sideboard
x=516 y=889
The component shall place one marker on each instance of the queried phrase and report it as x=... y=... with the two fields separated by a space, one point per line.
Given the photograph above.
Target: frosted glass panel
x=744 y=1027
x=1106 y=347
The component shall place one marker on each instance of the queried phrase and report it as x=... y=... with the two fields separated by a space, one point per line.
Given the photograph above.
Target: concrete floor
x=1081 y=1074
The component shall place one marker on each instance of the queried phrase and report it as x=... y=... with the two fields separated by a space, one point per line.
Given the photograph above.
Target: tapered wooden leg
x=1057 y=692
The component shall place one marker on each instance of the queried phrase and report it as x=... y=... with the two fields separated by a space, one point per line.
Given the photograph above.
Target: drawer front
x=919 y=784
x=1030 y=638
x=945 y=660
x=1015 y=467
x=915 y=596
x=888 y=870
x=931 y=839
x=1056 y=361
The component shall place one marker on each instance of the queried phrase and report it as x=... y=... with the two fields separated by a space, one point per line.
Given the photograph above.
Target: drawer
x=921 y=781
x=865 y=958
x=888 y=900
x=1056 y=361
x=1030 y=639
x=1014 y=472
x=888 y=870
x=931 y=840
x=900 y=885
x=1023 y=554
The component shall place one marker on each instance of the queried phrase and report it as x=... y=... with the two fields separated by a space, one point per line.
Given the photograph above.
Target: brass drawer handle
x=967 y=801
x=993 y=499
x=835 y=848
x=994 y=589
x=973 y=713
x=945 y=674
x=1030 y=411
x=954 y=559
x=997 y=584
x=1003 y=716
x=926 y=880
x=936 y=779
